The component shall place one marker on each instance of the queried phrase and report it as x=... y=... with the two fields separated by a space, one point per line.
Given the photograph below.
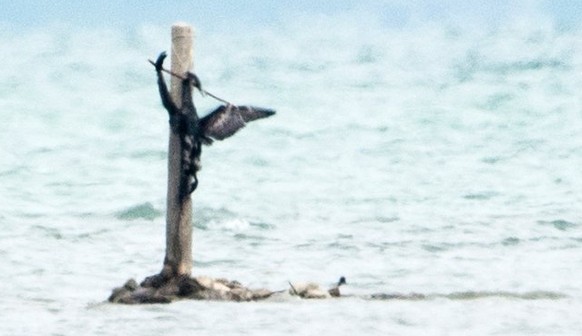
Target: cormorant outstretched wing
x=228 y=119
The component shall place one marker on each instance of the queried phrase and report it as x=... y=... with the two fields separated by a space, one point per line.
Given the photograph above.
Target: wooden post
x=175 y=281
x=178 y=259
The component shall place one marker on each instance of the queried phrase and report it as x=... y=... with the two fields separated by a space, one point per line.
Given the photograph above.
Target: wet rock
x=130 y=285
x=310 y=290
x=261 y=294
x=241 y=294
x=230 y=284
x=316 y=294
x=145 y=295
x=189 y=286
x=123 y=293
x=209 y=294
x=155 y=281
x=160 y=289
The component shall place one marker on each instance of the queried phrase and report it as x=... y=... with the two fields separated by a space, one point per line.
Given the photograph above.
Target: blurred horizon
x=234 y=15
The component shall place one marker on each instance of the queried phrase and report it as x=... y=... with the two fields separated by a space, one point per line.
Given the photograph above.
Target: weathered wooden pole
x=175 y=281
x=178 y=259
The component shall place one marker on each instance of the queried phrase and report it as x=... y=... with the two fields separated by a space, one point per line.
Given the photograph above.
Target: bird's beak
x=198 y=85
x=195 y=82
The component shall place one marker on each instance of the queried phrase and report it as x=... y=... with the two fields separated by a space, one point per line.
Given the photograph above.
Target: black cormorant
x=219 y=124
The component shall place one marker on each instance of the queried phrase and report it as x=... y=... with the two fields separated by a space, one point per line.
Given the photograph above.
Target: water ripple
x=471 y=295
x=559 y=224
x=140 y=211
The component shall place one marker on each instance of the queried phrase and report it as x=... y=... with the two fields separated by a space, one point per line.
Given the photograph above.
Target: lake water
x=435 y=160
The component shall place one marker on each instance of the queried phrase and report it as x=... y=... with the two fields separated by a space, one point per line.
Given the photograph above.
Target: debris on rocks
x=158 y=290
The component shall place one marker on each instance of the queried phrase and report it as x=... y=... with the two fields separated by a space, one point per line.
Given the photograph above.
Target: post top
x=182 y=29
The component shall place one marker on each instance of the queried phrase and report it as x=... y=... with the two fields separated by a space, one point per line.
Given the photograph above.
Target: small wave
x=50 y=232
x=140 y=211
x=560 y=224
x=216 y=262
x=251 y=237
x=481 y=196
x=534 y=295
x=224 y=219
x=149 y=154
x=527 y=65
x=510 y=241
x=235 y=224
x=338 y=245
x=208 y=217
x=471 y=295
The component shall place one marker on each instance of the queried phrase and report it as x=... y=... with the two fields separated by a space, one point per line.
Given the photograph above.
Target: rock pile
x=156 y=290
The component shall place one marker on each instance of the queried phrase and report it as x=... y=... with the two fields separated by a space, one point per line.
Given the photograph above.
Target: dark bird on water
x=334 y=291
x=193 y=131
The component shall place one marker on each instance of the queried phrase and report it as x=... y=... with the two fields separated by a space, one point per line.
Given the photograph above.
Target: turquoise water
x=437 y=160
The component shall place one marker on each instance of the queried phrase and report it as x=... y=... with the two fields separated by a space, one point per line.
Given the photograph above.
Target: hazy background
x=236 y=15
